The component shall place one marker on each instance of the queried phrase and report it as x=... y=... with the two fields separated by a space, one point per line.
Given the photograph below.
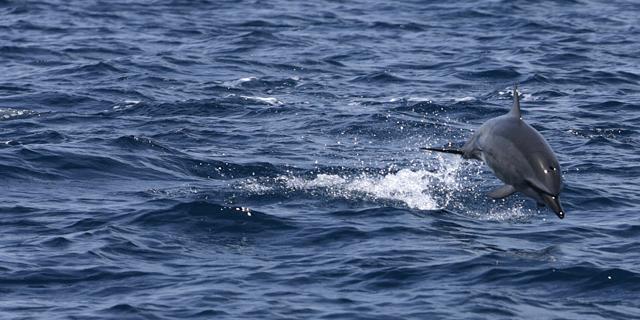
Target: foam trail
x=415 y=188
x=448 y=183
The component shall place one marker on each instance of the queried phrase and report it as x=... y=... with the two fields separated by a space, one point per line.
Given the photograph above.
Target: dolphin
x=518 y=155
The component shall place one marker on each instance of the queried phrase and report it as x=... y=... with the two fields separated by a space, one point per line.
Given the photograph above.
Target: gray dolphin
x=518 y=155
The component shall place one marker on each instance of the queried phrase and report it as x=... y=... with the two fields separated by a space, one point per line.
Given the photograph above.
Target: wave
x=43 y=101
x=68 y=276
x=504 y=73
x=228 y=105
x=408 y=26
x=584 y=277
x=93 y=69
x=379 y=77
x=139 y=143
x=211 y=218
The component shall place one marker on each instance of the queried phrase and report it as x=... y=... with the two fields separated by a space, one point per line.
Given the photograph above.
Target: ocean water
x=260 y=159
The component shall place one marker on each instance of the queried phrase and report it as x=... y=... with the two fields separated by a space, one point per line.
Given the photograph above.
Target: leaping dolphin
x=518 y=155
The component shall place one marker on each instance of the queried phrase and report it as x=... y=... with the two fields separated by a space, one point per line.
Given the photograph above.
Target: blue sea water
x=260 y=159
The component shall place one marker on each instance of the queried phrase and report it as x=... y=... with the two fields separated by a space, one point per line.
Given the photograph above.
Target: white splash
x=247 y=79
x=128 y=104
x=268 y=100
x=450 y=183
x=235 y=83
x=415 y=188
x=505 y=213
x=252 y=185
x=508 y=92
x=420 y=99
x=410 y=187
x=464 y=99
x=9 y=113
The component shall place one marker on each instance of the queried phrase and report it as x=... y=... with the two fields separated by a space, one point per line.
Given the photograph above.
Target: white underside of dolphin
x=518 y=155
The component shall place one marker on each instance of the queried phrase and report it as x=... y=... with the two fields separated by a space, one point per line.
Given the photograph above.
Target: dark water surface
x=259 y=159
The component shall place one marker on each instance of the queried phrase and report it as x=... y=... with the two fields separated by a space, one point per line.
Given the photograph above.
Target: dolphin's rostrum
x=518 y=155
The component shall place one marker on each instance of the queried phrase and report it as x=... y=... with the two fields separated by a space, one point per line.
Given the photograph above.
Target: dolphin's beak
x=553 y=202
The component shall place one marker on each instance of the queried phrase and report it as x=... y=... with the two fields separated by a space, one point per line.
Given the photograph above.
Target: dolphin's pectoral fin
x=502 y=192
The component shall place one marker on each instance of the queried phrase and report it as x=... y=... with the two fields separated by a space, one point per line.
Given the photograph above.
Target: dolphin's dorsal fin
x=515 y=110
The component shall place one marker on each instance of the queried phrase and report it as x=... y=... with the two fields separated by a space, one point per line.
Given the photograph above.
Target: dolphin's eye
x=552 y=168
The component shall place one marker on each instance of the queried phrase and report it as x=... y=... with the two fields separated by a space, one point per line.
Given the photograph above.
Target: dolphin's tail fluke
x=454 y=151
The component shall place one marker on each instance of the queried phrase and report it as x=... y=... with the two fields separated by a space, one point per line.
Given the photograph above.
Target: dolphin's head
x=547 y=180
